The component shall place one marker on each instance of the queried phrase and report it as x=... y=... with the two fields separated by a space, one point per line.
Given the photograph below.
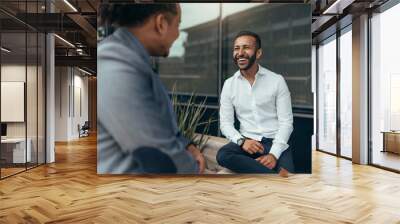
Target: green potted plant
x=190 y=116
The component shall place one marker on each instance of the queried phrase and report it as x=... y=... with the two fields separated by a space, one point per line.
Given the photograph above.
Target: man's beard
x=252 y=60
x=165 y=53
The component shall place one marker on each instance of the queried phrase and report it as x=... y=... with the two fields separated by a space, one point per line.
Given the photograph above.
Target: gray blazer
x=134 y=108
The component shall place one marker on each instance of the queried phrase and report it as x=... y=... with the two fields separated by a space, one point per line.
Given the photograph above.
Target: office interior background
x=48 y=81
x=48 y=72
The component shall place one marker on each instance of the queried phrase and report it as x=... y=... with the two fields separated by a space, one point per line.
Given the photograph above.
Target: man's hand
x=252 y=146
x=195 y=152
x=267 y=160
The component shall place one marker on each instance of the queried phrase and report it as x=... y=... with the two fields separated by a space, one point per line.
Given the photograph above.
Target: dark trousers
x=152 y=161
x=233 y=157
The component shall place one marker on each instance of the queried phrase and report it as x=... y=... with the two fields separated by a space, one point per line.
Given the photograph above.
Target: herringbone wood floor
x=70 y=191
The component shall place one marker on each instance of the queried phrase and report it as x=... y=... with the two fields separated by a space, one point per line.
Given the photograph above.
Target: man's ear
x=161 y=24
x=259 y=53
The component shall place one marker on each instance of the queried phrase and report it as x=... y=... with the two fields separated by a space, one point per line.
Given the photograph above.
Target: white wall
x=9 y=73
x=79 y=102
x=61 y=103
x=50 y=95
x=360 y=90
x=12 y=73
x=13 y=100
x=33 y=126
x=71 y=102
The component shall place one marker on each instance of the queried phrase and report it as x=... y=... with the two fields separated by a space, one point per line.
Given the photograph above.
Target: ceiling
x=330 y=15
x=74 y=22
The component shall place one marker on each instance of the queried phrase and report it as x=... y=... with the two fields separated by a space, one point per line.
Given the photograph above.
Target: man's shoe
x=283 y=172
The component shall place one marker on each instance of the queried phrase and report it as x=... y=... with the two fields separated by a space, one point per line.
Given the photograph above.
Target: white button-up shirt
x=263 y=110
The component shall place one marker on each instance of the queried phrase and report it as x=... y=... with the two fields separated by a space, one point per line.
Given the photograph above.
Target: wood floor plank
x=70 y=191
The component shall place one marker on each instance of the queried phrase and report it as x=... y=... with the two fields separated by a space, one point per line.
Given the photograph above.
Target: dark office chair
x=84 y=130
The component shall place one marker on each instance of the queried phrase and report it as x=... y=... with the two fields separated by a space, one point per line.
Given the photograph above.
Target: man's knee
x=221 y=156
x=286 y=160
x=224 y=153
x=152 y=160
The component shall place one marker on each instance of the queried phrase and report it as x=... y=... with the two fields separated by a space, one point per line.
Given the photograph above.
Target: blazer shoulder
x=117 y=50
x=114 y=46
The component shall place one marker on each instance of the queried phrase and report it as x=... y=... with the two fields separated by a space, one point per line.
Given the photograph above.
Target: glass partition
x=41 y=96
x=286 y=44
x=22 y=88
x=14 y=153
x=192 y=65
x=327 y=95
x=385 y=89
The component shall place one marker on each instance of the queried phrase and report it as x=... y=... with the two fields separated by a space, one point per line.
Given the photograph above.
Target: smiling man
x=261 y=100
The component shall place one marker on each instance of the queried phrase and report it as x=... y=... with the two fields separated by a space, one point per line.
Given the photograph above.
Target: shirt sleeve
x=285 y=119
x=226 y=114
x=132 y=110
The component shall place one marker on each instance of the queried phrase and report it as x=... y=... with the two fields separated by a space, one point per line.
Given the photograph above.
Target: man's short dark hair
x=132 y=14
x=249 y=33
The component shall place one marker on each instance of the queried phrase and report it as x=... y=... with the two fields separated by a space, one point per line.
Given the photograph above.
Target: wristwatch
x=240 y=141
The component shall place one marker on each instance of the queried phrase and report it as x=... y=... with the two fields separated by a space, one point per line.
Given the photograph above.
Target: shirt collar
x=261 y=71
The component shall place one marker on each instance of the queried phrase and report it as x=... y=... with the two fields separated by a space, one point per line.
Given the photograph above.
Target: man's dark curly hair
x=131 y=14
x=252 y=34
